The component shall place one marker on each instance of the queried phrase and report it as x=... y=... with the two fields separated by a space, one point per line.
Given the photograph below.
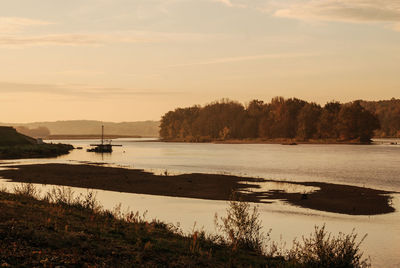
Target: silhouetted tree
x=328 y=122
x=355 y=122
x=308 y=119
x=388 y=113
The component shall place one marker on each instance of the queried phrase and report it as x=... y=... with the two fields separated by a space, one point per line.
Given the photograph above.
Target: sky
x=133 y=60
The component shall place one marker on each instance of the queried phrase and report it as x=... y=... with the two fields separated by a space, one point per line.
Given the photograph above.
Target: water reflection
x=373 y=166
x=286 y=187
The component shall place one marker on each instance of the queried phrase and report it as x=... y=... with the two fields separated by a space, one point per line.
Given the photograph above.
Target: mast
x=102 y=134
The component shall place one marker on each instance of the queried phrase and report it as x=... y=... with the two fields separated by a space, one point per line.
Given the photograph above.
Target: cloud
x=229 y=3
x=76 y=90
x=355 y=11
x=244 y=58
x=16 y=24
x=396 y=27
x=225 y=2
x=68 y=39
x=90 y=39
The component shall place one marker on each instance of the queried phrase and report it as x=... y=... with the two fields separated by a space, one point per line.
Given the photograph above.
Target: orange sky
x=128 y=60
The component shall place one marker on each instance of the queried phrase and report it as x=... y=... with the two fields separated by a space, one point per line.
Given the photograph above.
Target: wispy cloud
x=69 y=39
x=79 y=39
x=230 y=3
x=76 y=90
x=356 y=11
x=17 y=24
x=225 y=2
x=244 y=58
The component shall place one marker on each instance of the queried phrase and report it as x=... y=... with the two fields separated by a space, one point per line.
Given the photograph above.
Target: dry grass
x=61 y=226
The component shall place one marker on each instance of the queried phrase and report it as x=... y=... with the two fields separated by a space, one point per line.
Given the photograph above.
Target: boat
x=104 y=146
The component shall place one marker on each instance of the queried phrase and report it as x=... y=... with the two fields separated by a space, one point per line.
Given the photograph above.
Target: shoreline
x=276 y=141
x=328 y=197
x=39 y=233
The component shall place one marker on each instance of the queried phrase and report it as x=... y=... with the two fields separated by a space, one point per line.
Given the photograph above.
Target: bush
x=322 y=249
x=65 y=196
x=241 y=228
x=27 y=189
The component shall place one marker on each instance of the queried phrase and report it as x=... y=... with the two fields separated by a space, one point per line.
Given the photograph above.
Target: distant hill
x=89 y=127
x=10 y=137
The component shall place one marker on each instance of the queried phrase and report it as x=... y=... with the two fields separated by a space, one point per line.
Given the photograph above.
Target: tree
x=308 y=119
x=355 y=122
x=328 y=121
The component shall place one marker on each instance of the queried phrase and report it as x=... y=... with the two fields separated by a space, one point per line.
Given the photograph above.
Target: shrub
x=27 y=189
x=322 y=249
x=65 y=196
x=241 y=228
x=60 y=195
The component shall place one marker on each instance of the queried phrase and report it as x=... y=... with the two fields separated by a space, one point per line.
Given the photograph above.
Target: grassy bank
x=34 y=151
x=38 y=233
x=61 y=229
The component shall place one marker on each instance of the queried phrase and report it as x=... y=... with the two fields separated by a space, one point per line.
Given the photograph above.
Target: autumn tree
x=328 y=121
x=308 y=119
x=355 y=122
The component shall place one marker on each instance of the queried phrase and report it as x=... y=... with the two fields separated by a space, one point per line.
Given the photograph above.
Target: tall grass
x=60 y=196
x=27 y=189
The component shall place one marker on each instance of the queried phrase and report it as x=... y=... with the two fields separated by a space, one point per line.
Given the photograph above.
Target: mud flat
x=328 y=197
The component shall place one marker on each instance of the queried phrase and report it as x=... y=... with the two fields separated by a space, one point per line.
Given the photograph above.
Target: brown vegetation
x=388 y=113
x=72 y=232
x=61 y=229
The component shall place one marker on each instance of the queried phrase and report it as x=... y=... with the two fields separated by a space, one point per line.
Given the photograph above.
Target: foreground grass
x=39 y=233
x=63 y=230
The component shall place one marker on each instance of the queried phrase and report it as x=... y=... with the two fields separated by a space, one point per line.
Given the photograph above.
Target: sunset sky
x=129 y=60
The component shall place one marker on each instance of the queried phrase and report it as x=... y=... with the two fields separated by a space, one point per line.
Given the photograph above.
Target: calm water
x=376 y=166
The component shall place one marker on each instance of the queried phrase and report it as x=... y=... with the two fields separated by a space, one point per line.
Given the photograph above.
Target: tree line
x=388 y=113
x=279 y=119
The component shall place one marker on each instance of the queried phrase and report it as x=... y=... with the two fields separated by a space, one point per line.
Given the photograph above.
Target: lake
x=375 y=166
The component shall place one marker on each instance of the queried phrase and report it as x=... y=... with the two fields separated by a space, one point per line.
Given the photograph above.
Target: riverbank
x=328 y=197
x=36 y=233
x=271 y=141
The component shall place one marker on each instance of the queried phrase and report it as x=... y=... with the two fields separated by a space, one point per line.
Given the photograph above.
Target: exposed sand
x=330 y=197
